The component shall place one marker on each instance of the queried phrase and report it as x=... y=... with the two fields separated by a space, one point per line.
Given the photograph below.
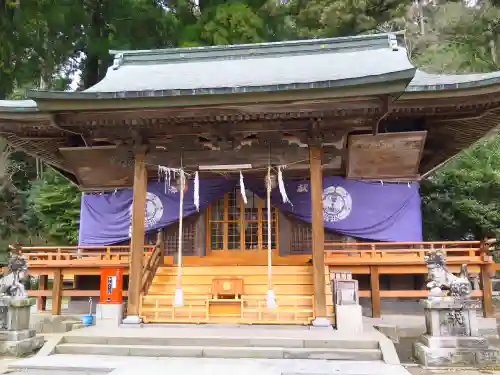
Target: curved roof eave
x=429 y=82
x=18 y=106
x=330 y=84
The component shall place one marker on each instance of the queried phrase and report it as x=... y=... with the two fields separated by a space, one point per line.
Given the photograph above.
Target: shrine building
x=220 y=178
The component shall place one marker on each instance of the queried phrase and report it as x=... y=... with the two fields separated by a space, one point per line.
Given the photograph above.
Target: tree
x=120 y=24
x=54 y=203
x=328 y=18
x=459 y=38
x=462 y=200
x=37 y=37
x=233 y=23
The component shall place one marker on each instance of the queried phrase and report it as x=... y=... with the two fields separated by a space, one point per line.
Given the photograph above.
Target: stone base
x=19 y=343
x=455 y=352
x=459 y=342
x=349 y=318
x=321 y=322
x=109 y=315
x=132 y=319
x=451 y=317
x=17 y=335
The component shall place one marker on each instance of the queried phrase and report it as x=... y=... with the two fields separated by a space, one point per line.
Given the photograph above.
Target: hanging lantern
x=273 y=180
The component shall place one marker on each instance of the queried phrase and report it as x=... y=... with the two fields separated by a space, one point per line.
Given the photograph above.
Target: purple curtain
x=374 y=211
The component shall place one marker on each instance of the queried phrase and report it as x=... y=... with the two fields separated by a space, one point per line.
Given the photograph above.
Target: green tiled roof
x=266 y=67
x=439 y=82
x=18 y=106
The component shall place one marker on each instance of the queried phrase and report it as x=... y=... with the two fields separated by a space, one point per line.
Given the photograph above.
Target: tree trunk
x=95 y=65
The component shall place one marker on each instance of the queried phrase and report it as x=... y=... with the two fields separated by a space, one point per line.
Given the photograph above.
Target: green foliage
x=462 y=200
x=458 y=38
x=55 y=204
x=233 y=23
x=329 y=18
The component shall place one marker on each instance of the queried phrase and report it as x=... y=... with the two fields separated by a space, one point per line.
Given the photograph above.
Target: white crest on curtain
x=281 y=186
x=242 y=189
x=196 y=191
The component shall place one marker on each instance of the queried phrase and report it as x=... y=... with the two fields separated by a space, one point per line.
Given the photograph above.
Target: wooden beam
x=318 y=231
x=57 y=288
x=375 y=291
x=137 y=240
x=41 y=302
x=356 y=106
x=486 y=285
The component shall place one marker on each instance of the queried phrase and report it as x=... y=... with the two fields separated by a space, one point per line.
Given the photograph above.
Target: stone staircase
x=243 y=346
x=55 y=324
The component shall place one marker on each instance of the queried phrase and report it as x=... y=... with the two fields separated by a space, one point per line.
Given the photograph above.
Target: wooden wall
x=294 y=236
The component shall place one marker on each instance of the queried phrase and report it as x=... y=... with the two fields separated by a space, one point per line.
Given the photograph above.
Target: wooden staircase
x=293 y=286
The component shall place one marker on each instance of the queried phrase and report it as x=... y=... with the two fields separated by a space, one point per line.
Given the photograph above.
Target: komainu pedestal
x=452 y=335
x=16 y=337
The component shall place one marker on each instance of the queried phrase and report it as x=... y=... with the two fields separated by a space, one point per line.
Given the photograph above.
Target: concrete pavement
x=205 y=366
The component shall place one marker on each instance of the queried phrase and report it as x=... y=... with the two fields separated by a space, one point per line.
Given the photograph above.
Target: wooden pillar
x=487 y=286
x=318 y=231
x=41 y=302
x=137 y=240
x=160 y=242
x=375 y=291
x=57 y=289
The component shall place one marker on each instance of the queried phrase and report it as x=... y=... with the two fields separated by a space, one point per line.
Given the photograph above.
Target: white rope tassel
x=281 y=185
x=242 y=189
x=179 y=295
x=271 y=298
x=196 y=191
x=166 y=173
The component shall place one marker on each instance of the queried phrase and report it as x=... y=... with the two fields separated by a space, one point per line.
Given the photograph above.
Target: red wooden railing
x=400 y=253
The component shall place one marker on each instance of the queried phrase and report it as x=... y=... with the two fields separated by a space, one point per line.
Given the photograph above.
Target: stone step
x=215 y=341
x=221 y=352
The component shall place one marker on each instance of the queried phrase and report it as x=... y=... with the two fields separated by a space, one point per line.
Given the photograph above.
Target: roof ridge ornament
x=118 y=61
x=393 y=42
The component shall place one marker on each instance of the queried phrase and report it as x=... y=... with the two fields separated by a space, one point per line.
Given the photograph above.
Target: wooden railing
x=79 y=256
x=401 y=253
x=336 y=253
x=152 y=261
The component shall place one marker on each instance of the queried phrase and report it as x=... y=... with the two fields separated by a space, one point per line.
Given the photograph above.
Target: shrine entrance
x=237 y=227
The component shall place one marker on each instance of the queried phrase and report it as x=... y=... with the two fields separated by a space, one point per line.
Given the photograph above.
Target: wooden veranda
x=373 y=259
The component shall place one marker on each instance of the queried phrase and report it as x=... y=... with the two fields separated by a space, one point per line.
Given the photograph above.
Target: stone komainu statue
x=11 y=282
x=441 y=279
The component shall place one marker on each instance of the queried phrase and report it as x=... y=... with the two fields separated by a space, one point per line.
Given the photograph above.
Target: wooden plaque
x=385 y=156
x=95 y=169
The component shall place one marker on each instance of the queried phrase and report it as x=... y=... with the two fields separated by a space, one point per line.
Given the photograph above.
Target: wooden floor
x=293 y=286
